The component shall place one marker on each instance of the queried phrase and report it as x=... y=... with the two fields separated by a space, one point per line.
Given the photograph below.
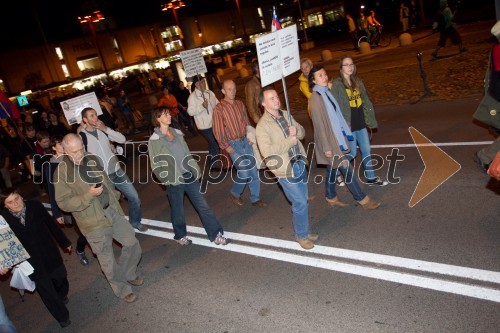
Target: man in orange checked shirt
x=229 y=125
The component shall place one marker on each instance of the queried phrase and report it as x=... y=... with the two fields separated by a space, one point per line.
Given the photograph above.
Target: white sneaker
x=340 y=181
x=184 y=241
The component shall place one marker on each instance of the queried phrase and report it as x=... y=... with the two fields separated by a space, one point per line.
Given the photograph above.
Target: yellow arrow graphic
x=439 y=167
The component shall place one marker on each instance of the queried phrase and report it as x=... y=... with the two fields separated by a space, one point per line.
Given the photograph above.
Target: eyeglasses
x=348 y=65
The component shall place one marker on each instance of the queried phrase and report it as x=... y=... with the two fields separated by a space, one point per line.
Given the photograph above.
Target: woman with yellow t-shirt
x=349 y=91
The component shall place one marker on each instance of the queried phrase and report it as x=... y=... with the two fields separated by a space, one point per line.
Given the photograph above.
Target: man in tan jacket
x=279 y=143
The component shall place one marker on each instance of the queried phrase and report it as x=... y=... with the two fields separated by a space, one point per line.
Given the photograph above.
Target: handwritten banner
x=12 y=252
x=73 y=107
x=193 y=62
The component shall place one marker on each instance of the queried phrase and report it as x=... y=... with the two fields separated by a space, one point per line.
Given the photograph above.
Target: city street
x=434 y=267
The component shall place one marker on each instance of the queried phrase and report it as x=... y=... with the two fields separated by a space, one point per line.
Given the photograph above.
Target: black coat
x=37 y=239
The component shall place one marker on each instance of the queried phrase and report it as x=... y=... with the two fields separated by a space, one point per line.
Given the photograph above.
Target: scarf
x=21 y=215
x=339 y=126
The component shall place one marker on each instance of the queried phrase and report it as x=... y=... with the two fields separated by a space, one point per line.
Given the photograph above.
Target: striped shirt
x=229 y=122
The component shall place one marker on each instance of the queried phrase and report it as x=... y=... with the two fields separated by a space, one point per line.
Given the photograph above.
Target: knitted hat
x=495 y=31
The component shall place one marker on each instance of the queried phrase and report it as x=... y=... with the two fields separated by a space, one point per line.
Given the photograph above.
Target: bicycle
x=377 y=38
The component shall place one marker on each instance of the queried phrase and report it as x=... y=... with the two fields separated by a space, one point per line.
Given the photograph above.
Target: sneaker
x=83 y=258
x=138 y=281
x=340 y=181
x=377 y=181
x=130 y=298
x=220 y=240
x=142 y=228
x=305 y=243
x=184 y=241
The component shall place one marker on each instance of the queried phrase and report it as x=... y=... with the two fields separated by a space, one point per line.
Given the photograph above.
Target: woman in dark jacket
x=34 y=228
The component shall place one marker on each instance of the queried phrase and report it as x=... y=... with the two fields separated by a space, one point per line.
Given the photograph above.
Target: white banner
x=278 y=54
x=73 y=107
x=193 y=62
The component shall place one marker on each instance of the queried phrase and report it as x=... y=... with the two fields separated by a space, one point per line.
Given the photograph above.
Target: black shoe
x=83 y=258
x=142 y=228
x=65 y=300
x=483 y=166
x=65 y=323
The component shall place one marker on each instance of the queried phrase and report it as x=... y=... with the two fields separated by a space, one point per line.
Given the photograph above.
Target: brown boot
x=305 y=243
x=369 y=203
x=336 y=202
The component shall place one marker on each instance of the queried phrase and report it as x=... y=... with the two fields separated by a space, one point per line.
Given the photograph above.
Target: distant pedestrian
x=353 y=31
x=404 y=14
x=126 y=112
x=447 y=30
x=252 y=91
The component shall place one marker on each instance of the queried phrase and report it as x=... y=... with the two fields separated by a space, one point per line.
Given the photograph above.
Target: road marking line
x=399 y=145
x=379 y=259
x=456 y=288
x=440 y=144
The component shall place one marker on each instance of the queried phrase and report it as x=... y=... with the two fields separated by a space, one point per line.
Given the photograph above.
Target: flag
x=7 y=108
x=275 y=25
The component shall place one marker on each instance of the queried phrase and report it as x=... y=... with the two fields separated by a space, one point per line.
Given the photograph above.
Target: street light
x=173 y=5
x=96 y=16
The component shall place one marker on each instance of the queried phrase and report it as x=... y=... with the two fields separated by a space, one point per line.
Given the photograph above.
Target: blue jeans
x=244 y=162
x=6 y=325
x=213 y=146
x=350 y=182
x=124 y=185
x=295 y=189
x=191 y=187
x=362 y=139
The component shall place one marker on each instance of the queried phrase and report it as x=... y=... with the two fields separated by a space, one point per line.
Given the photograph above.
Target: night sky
x=58 y=18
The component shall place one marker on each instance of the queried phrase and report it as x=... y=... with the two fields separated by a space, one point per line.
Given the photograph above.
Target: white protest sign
x=193 y=62
x=73 y=107
x=12 y=251
x=278 y=54
x=289 y=50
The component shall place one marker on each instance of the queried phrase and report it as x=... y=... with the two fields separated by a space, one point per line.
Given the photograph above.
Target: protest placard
x=12 y=252
x=193 y=62
x=278 y=54
x=73 y=107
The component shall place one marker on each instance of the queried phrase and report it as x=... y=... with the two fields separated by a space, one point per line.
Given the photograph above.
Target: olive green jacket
x=72 y=195
x=162 y=164
x=338 y=91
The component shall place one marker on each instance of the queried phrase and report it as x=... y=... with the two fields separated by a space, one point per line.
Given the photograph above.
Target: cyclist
x=374 y=27
x=363 y=25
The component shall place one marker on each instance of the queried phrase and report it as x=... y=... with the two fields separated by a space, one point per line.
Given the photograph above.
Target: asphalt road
x=431 y=268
